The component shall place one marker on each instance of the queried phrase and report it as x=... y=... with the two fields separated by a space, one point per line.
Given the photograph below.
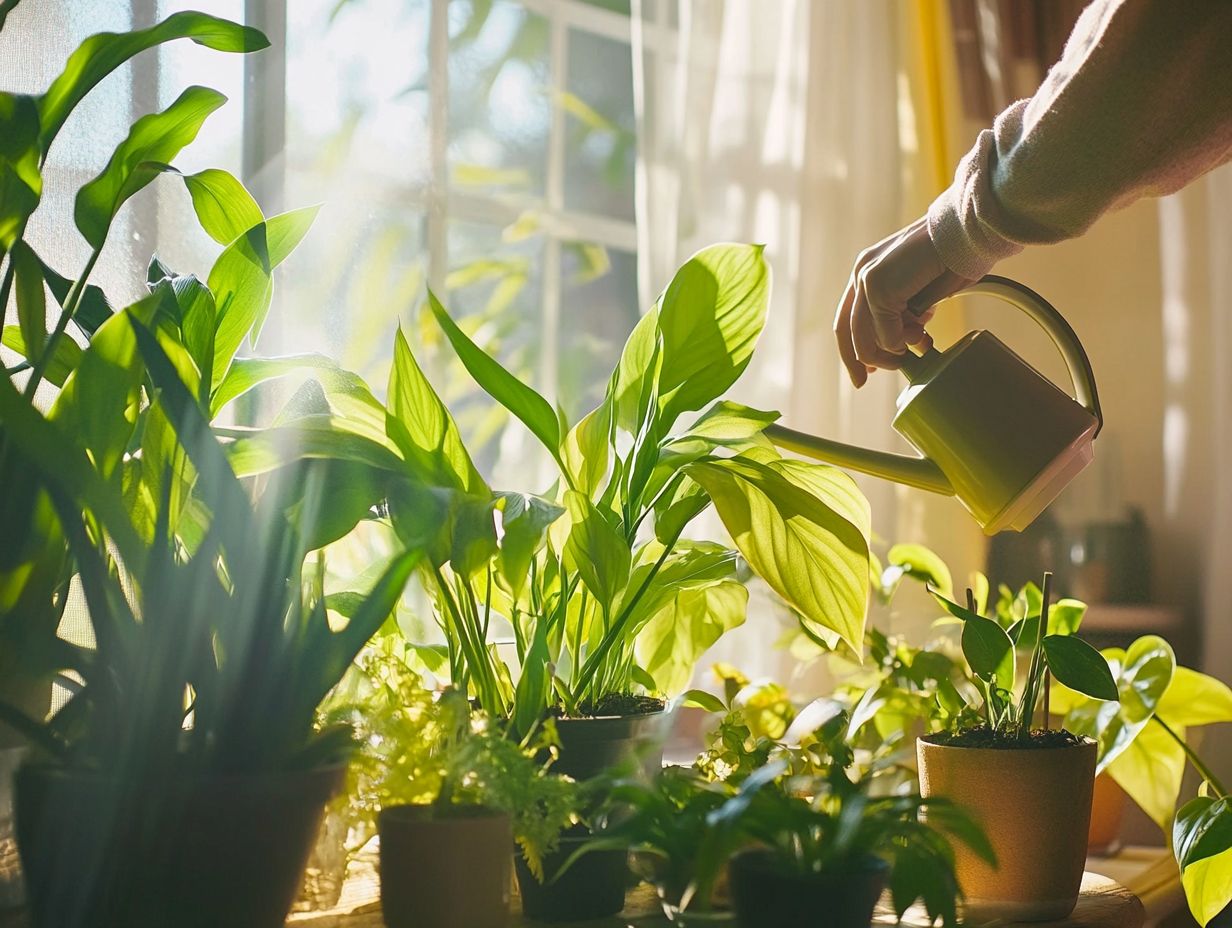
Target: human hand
x=889 y=299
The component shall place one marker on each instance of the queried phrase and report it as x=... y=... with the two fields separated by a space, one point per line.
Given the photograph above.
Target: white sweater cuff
x=961 y=221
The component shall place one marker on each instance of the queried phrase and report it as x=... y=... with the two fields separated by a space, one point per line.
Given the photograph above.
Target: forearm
x=1140 y=104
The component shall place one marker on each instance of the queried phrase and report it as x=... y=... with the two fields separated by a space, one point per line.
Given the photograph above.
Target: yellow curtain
x=934 y=137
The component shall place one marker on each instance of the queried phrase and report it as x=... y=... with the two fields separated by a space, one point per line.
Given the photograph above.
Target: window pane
x=499 y=112
x=600 y=140
x=598 y=311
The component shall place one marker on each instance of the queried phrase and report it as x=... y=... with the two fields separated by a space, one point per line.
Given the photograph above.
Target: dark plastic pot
x=594 y=887
x=100 y=853
x=766 y=895
x=590 y=746
x=445 y=871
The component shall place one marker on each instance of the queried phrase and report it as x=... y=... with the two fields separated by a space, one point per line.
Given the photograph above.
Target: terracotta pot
x=594 y=887
x=99 y=853
x=445 y=871
x=1107 y=811
x=765 y=896
x=591 y=746
x=1035 y=806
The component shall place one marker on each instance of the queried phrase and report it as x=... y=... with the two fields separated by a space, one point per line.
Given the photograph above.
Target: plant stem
x=609 y=640
x=1026 y=712
x=70 y=309
x=5 y=287
x=1203 y=770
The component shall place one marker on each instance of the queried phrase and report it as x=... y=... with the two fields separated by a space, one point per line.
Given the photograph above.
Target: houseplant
x=832 y=845
x=600 y=592
x=1029 y=788
x=196 y=715
x=195 y=708
x=452 y=793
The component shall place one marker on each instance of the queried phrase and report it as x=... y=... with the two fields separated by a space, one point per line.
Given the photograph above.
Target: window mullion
x=555 y=189
x=438 y=130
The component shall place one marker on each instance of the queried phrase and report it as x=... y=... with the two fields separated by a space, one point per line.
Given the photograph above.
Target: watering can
x=991 y=429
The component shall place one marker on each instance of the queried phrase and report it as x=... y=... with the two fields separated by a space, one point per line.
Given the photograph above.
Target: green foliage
x=990 y=651
x=152 y=142
x=1144 y=758
x=807 y=803
x=422 y=748
x=601 y=594
x=213 y=643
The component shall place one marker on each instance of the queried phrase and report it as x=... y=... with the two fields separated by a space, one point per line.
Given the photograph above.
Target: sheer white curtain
x=787 y=123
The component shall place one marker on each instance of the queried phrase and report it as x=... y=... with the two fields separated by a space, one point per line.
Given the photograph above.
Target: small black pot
x=591 y=746
x=594 y=887
x=766 y=895
x=226 y=850
x=445 y=871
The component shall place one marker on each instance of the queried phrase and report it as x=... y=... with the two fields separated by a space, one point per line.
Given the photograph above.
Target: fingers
x=842 y=334
x=868 y=349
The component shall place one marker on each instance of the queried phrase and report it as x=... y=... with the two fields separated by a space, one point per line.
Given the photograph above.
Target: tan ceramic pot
x=1035 y=806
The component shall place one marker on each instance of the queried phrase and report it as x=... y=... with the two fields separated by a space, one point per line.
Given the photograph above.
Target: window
x=485 y=149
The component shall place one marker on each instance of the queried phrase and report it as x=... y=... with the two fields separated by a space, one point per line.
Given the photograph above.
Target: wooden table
x=1104 y=904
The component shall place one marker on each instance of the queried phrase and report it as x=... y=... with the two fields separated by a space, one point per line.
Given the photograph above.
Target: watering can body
x=992 y=430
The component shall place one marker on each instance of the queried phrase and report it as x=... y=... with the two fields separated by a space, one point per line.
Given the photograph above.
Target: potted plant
x=451 y=794
x=197 y=711
x=194 y=712
x=1030 y=788
x=604 y=602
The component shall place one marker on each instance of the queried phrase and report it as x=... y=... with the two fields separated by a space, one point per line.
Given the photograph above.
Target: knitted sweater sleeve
x=1139 y=105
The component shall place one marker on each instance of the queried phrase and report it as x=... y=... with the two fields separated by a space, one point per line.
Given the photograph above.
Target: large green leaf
x=21 y=184
x=1151 y=769
x=309 y=438
x=1202 y=842
x=94 y=308
x=242 y=282
x=99 y=401
x=57 y=456
x=247 y=373
x=424 y=429
x=31 y=299
x=670 y=644
x=596 y=550
x=102 y=53
x=809 y=553
x=710 y=318
x=638 y=365
x=726 y=423
x=1144 y=673
x=67 y=355
x=225 y=209
x=1194 y=698
x=987 y=647
x=534 y=411
x=988 y=651
x=524 y=525
x=1076 y=664
x=151 y=143
x=586 y=450
x=924 y=565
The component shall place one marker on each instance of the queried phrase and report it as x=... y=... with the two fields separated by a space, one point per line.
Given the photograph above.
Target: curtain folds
x=817 y=129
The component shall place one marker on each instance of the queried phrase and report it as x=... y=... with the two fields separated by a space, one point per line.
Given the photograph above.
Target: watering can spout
x=920 y=473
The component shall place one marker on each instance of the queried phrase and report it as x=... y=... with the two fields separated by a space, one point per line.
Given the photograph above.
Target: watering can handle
x=1052 y=322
